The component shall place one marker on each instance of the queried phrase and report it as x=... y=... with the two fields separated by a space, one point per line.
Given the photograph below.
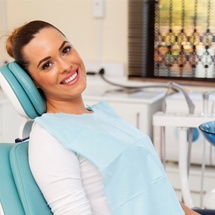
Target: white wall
x=95 y=39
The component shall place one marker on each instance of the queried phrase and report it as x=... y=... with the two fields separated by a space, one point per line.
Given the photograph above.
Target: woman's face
x=55 y=66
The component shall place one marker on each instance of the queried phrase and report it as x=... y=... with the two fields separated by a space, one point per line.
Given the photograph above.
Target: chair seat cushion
x=32 y=199
x=9 y=197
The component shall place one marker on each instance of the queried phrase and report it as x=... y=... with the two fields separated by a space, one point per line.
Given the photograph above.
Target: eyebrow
x=44 y=59
x=47 y=58
x=62 y=45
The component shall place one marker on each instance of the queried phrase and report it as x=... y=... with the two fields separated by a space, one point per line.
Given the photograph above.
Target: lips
x=70 y=78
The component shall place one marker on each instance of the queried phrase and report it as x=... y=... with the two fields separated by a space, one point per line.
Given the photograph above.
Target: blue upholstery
x=9 y=197
x=33 y=104
x=19 y=193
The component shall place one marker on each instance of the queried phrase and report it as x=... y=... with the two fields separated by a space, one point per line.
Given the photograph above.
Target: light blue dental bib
x=134 y=179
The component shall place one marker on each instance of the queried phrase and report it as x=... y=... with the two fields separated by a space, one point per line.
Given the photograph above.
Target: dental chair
x=19 y=193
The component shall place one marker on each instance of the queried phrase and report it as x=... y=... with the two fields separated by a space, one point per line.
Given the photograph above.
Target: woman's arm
x=57 y=173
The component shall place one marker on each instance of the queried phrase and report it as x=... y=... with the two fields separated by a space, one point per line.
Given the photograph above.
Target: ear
x=21 y=91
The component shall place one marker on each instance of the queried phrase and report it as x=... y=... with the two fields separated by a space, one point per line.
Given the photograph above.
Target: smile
x=71 y=78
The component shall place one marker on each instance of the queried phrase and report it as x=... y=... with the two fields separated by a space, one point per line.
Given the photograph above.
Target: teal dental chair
x=19 y=193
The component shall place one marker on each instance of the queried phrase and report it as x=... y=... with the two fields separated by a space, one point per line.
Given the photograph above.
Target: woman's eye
x=66 y=49
x=46 y=65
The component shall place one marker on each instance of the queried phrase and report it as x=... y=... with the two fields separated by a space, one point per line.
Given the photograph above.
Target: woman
x=86 y=160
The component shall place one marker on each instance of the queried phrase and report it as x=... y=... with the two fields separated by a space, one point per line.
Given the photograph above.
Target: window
x=172 y=40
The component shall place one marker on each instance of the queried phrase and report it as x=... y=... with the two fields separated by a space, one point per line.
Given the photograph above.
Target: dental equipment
x=208 y=130
x=169 y=85
x=182 y=122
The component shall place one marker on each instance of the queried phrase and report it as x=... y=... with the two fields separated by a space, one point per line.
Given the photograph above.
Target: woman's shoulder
x=39 y=133
x=41 y=141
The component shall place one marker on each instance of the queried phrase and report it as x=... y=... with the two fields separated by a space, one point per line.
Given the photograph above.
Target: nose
x=64 y=65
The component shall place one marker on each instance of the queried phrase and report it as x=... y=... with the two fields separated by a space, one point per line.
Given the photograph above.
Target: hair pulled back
x=21 y=36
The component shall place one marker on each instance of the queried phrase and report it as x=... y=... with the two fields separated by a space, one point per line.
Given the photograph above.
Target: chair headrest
x=21 y=91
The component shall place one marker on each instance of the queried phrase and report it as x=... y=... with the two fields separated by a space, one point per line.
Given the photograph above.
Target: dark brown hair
x=21 y=36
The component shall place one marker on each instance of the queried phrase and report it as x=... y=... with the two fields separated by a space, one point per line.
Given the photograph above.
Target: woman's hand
x=188 y=211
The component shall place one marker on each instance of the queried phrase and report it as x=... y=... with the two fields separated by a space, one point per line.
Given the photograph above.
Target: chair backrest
x=19 y=193
x=21 y=91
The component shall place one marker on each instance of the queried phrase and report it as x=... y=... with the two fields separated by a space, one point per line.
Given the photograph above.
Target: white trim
x=1 y=210
x=11 y=96
x=25 y=128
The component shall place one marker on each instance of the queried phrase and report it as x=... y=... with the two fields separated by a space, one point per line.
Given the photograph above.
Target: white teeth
x=70 y=78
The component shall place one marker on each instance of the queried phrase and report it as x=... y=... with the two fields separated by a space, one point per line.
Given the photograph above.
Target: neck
x=74 y=106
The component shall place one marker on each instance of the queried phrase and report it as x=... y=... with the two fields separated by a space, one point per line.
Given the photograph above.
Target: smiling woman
x=57 y=70
x=52 y=68
x=84 y=159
